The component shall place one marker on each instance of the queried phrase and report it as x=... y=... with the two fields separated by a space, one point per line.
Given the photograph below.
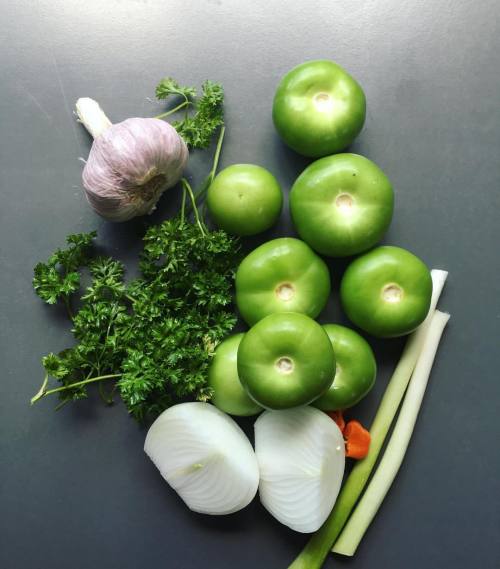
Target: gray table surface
x=76 y=489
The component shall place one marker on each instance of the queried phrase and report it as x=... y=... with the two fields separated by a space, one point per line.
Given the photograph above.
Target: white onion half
x=301 y=458
x=205 y=457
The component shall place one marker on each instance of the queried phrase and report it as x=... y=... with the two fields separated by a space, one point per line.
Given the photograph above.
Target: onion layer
x=301 y=459
x=205 y=457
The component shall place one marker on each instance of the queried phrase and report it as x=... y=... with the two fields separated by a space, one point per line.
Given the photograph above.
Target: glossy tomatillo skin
x=386 y=292
x=318 y=108
x=286 y=360
x=355 y=372
x=228 y=393
x=282 y=275
x=342 y=205
x=245 y=199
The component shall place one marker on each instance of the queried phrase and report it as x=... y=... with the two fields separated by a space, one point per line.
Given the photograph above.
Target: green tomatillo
x=355 y=371
x=342 y=205
x=244 y=199
x=228 y=393
x=318 y=108
x=282 y=275
x=286 y=360
x=387 y=291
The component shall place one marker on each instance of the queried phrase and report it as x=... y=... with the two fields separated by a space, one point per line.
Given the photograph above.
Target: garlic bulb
x=130 y=163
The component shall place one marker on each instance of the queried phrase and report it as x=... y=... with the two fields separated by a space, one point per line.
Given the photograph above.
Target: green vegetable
x=196 y=129
x=342 y=205
x=316 y=550
x=356 y=369
x=286 y=360
x=398 y=444
x=59 y=277
x=318 y=109
x=386 y=291
x=228 y=393
x=156 y=334
x=245 y=199
x=282 y=275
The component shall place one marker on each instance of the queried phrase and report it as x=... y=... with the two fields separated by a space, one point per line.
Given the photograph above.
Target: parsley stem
x=187 y=187
x=43 y=391
x=174 y=110
x=217 y=153
x=211 y=175
x=183 y=205
x=210 y=178
x=68 y=306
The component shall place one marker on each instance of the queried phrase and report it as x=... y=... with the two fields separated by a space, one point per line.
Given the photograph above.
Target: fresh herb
x=197 y=128
x=156 y=334
x=58 y=278
x=168 y=87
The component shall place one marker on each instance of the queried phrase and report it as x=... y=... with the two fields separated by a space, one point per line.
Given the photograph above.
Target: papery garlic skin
x=130 y=163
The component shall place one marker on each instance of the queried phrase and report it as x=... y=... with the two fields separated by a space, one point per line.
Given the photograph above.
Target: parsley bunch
x=154 y=335
x=198 y=128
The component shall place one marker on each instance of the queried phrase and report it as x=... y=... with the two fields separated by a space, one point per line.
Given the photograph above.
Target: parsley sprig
x=198 y=127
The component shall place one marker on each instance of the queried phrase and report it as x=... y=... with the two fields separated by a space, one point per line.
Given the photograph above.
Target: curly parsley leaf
x=59 y=277
x=168 y=87
x=198 y=128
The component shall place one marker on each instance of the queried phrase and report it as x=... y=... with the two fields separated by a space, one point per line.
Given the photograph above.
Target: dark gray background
x=76 y=489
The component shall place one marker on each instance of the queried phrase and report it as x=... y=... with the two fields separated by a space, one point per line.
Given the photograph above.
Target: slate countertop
x=76 y=489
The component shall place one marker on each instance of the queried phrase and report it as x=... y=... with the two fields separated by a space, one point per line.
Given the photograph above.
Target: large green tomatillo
x=355 y=372
x=282 y=275
x=286 y=360
x=244 y=199
x=342 y=205
x=318 y=108
x=228 y=393
x=387 y=291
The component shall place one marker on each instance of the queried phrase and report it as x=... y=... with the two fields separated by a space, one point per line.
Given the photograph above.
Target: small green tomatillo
x=355 y=371
x=228 y=393
x=318 y=108
x=387 y=291
x=342 y=205
x=286 y=360
x=245 y=199
x=282 y=275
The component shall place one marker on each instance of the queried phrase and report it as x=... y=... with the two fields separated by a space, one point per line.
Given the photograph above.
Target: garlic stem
x=92 y=116
x=385 y=474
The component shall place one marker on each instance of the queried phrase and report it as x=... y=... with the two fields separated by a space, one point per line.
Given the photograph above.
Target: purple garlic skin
x=130 y=165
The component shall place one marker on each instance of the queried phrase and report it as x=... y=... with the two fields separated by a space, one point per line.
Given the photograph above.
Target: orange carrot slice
x=357 y=440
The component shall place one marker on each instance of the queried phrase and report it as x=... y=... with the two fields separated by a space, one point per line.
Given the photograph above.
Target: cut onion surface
x=205 y=457
x=301 y=459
